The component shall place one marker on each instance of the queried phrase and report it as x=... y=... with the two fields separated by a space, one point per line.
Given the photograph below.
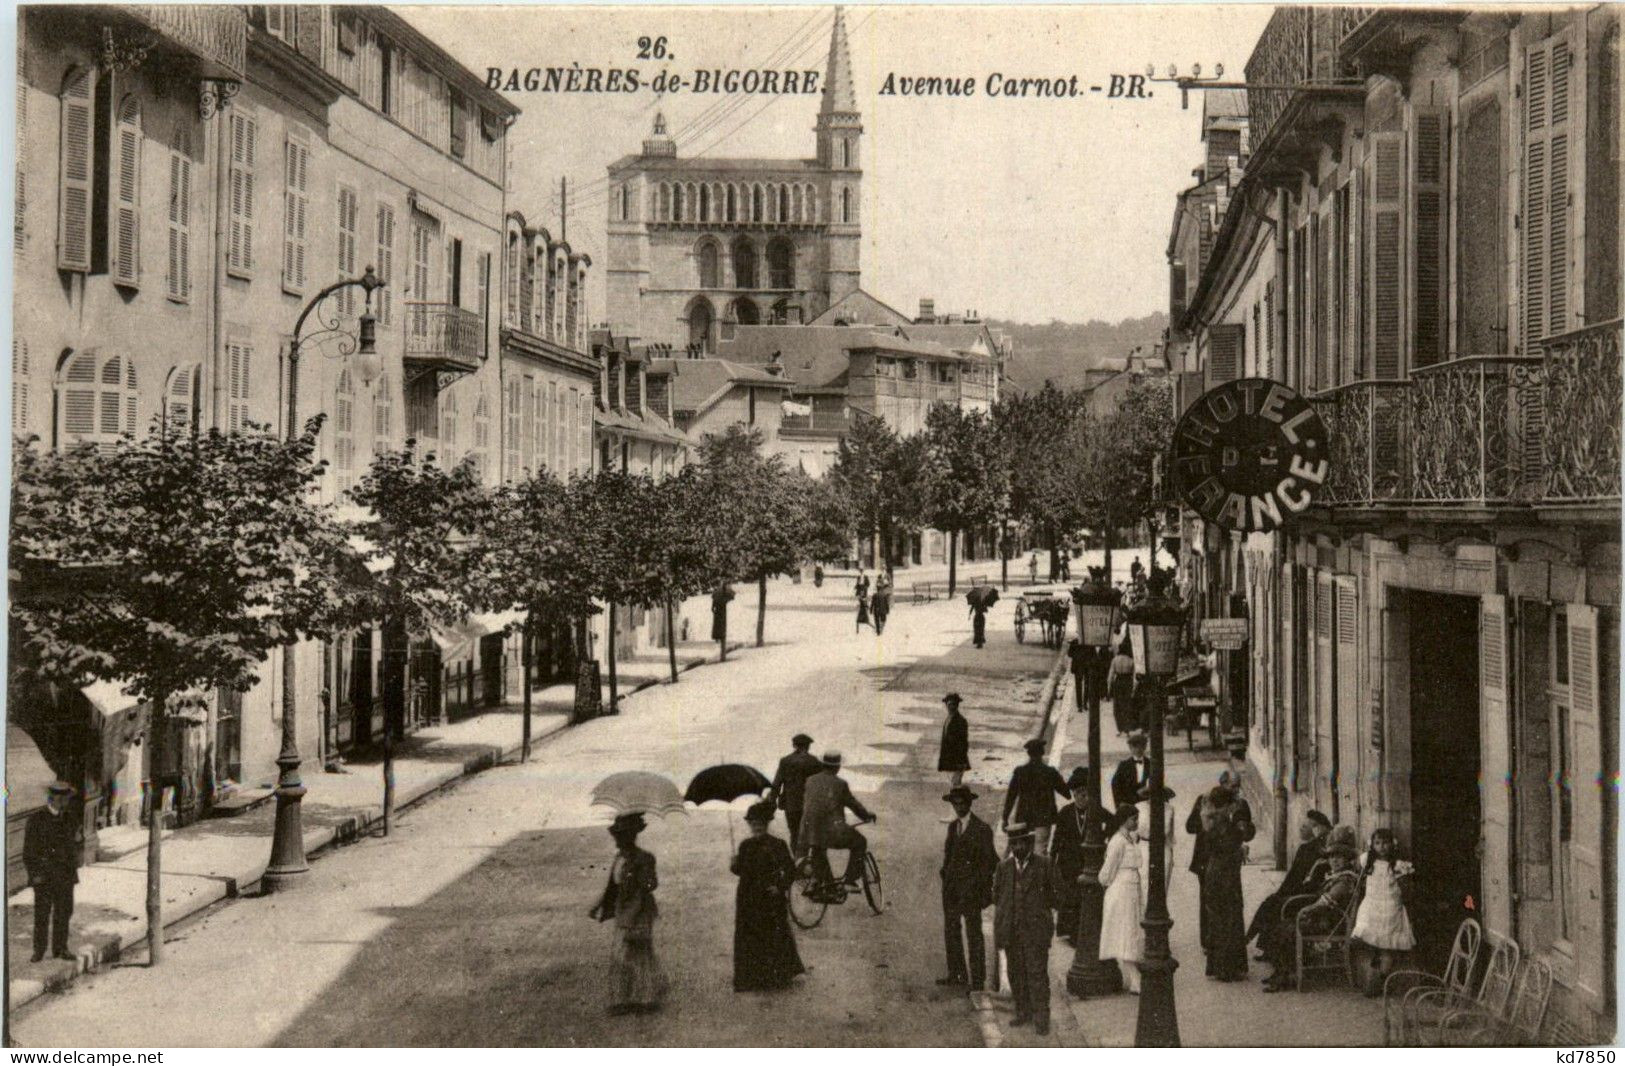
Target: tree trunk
x=526 y=654
x=1004 y=555
x=761 y=609
x=1054 y=554
x=1108 y=553
x=389 y=770
x=671 y=639
x=155 y=832
x=953 y=561
x=614 y=689
x=397 y=649
x=721 y=618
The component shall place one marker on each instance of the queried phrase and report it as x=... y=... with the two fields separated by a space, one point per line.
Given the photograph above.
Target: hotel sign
x=1249 y=454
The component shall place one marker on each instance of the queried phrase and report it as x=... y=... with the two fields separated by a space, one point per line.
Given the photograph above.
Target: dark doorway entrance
x=1445 y=809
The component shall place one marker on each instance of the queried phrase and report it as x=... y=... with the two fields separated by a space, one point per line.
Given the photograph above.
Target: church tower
x=840 y=135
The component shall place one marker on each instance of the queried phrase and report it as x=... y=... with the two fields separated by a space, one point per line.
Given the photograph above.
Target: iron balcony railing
x=1483 y=431
x=215 y=33
x=1300 y=47
x=817 y=422
x=443 y=334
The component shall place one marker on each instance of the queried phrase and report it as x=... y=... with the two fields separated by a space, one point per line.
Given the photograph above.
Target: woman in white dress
x=1381 y=923
x=1123 y=875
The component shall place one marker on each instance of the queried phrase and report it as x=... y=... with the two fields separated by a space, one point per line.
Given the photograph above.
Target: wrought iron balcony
x=443 y=337
x=216 y=34
x=1484 y=431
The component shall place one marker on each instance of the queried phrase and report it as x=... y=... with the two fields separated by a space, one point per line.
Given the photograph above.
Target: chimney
x=658 y=394
x=634 y=387
x=612 y=400
x=928 y=311
x=775 y=366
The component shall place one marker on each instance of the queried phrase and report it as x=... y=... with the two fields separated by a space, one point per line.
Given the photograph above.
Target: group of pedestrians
x=873 y=608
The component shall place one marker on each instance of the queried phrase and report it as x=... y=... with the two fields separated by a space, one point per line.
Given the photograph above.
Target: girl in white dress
x=1123 y=875
x=1381 y=922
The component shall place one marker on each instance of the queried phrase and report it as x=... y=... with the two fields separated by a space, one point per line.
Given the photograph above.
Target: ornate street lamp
x=1098 y=608
x=1155 y=627
x=288 y=838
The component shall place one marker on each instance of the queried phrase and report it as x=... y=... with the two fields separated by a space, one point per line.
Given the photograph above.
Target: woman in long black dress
x=765 y=956
x=1224 y=830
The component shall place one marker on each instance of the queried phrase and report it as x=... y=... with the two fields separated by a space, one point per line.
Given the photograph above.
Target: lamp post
x=288 y=837
x=1155 y=627
x=1090 y=975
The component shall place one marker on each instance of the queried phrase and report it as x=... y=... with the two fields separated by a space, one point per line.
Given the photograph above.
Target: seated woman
x=1319 y=917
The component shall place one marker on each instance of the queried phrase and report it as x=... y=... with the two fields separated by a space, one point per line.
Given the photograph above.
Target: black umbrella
x=726 y=782
x=983 y=596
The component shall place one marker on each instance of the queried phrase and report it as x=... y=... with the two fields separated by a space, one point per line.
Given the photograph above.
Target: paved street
x=468 y=925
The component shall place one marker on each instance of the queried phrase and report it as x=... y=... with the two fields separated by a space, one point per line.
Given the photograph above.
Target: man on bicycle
x=825 y=800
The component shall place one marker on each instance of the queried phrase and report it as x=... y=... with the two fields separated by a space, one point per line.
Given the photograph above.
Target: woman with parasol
x=980 y=599
x=636 y=980
x=765 y=955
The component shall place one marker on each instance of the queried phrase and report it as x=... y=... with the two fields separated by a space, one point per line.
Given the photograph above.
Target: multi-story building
x=188 y=179
x=709 y=395
x=695 y=243
x=1425 y=242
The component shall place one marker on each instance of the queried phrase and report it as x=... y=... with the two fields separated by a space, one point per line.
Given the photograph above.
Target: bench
x=1401 y=988
x=922 y=590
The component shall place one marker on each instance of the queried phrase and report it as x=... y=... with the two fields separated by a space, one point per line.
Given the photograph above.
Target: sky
x=1026 y=209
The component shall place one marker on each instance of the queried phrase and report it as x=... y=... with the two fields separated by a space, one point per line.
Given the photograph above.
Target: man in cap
x=51 y=857
x=953 y=754
x=1321 y=916
x=1023 y=923
x=826 y=800
x=968 y=865
x=789 y=784
x=1301 y=877
x=1031 y=796
x=1132 y=778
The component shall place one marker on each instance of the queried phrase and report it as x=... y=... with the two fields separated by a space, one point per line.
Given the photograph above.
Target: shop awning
x=461 y=641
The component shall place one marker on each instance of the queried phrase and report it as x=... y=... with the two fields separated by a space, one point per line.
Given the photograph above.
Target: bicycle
x=812 y=895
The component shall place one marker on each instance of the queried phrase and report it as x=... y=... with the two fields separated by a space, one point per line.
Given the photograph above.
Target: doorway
x=1444 y=772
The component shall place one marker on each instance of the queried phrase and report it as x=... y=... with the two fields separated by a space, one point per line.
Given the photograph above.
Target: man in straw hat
x=969 y=862
x=51 y=857
x=1023 y=923
x=826 y=800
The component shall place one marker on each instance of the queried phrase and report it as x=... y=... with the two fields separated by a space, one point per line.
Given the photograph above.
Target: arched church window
x=846 y=205
x=846 y=152
x=710 y=276
x=784 y=203
x=700 y=318
x=756 y=214
x=781 y=264
x=744 y=256
x=744 y=312
x=677 y=204
x=733 y=206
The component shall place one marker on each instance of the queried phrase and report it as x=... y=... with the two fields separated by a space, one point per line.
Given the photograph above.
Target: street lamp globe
x=368 y=365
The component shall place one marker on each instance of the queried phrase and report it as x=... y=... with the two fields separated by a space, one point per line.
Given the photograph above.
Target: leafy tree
x=1036 y=429
x=1115 y=457
x=972 y=484
x=173 y=565
x=428 y=523
x=885 y=481
x=828 y=529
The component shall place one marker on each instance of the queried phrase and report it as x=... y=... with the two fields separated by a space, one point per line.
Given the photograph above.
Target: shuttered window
x=1480 y=265
x=296 y=213
x=383 y=415
x=482 y=436
x=1495 y=771
x=544 y=428
x=181 y=393
x=1430 y=237
x=1349 y=753
x=561 y=429
x=239 y=370
x=1268 y=339
x=511 y=431
x=1546 y=193
x=448 y=427
x=21 y=367
x=384 y=299
x=512 y=315
x=125 y=221
x=76 y=167
x=527 y=424
x=1226 y=350
x=482 y=300
x=96 y=399
x=1351 y=310
x=1588 y=888
x=1384 y=289
x=344 y=434
x=178 y=261
x=348 y=223
x=243 y=148
x=19 y=222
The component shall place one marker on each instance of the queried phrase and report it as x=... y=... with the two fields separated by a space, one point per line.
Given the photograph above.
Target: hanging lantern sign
x=1249 y=454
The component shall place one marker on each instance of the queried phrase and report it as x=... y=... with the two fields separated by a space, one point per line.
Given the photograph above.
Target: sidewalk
x=1211 y=1013
x=221 y=858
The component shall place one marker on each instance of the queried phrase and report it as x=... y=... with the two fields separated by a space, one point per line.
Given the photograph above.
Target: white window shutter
x=1495 y=770
x=348 y=216
x=383 y=300
x=180 y=399
x=1589 y=780
x=19 y=229
x=77 y=164
x=125 y=225
x=296 y=215
x=239 y=357
x=21 y=368
x=1225 y=343
x=244 y=139
x=1385 y=285
x=1546 y=217
x=1350 y=751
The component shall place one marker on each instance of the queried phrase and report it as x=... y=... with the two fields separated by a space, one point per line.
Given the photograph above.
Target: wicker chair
x=1402 y=986
x=1521 y=1026
x=1326 y=951
x=1432 y=1010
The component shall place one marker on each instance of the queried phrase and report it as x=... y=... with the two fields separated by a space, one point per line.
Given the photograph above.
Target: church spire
x=838 y=95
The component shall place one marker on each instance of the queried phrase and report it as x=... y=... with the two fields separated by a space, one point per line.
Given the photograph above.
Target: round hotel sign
x=1249 y=454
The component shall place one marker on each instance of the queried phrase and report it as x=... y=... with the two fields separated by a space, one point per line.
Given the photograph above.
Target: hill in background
x=1063 y=351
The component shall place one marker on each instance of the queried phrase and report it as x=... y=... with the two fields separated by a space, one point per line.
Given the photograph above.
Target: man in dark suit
x=1023 y=923
x=1300 y=876
x=51 y=856
x=953 y=753
x=1031 y=796
x=1132 y=779
x=789 y=784
x=1240 y=811
x=968 y=865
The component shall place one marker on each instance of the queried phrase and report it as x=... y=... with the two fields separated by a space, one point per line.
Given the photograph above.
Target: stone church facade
x=699 y=245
